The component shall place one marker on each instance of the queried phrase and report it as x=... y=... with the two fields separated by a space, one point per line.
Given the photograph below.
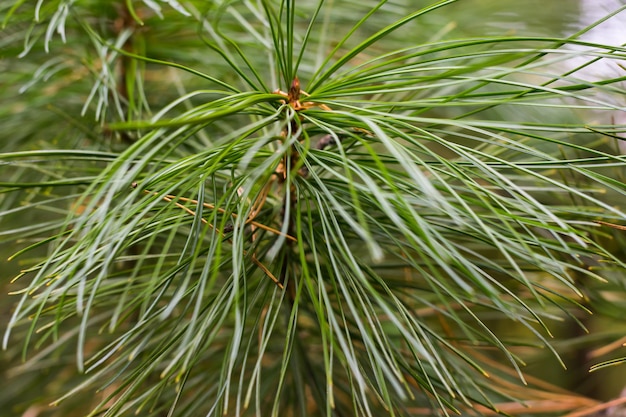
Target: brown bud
x=294 y=90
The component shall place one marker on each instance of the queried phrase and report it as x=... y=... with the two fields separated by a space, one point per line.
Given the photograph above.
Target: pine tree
x=272 y=207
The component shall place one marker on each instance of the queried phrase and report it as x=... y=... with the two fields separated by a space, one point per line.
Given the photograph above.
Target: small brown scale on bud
x=294 y=93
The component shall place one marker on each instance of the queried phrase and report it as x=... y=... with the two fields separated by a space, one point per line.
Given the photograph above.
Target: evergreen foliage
x=273 y=207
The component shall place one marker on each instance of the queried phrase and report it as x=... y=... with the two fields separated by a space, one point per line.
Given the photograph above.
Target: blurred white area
x=611 y=32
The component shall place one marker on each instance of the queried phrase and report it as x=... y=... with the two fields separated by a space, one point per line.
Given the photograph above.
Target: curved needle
x=170 y=199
